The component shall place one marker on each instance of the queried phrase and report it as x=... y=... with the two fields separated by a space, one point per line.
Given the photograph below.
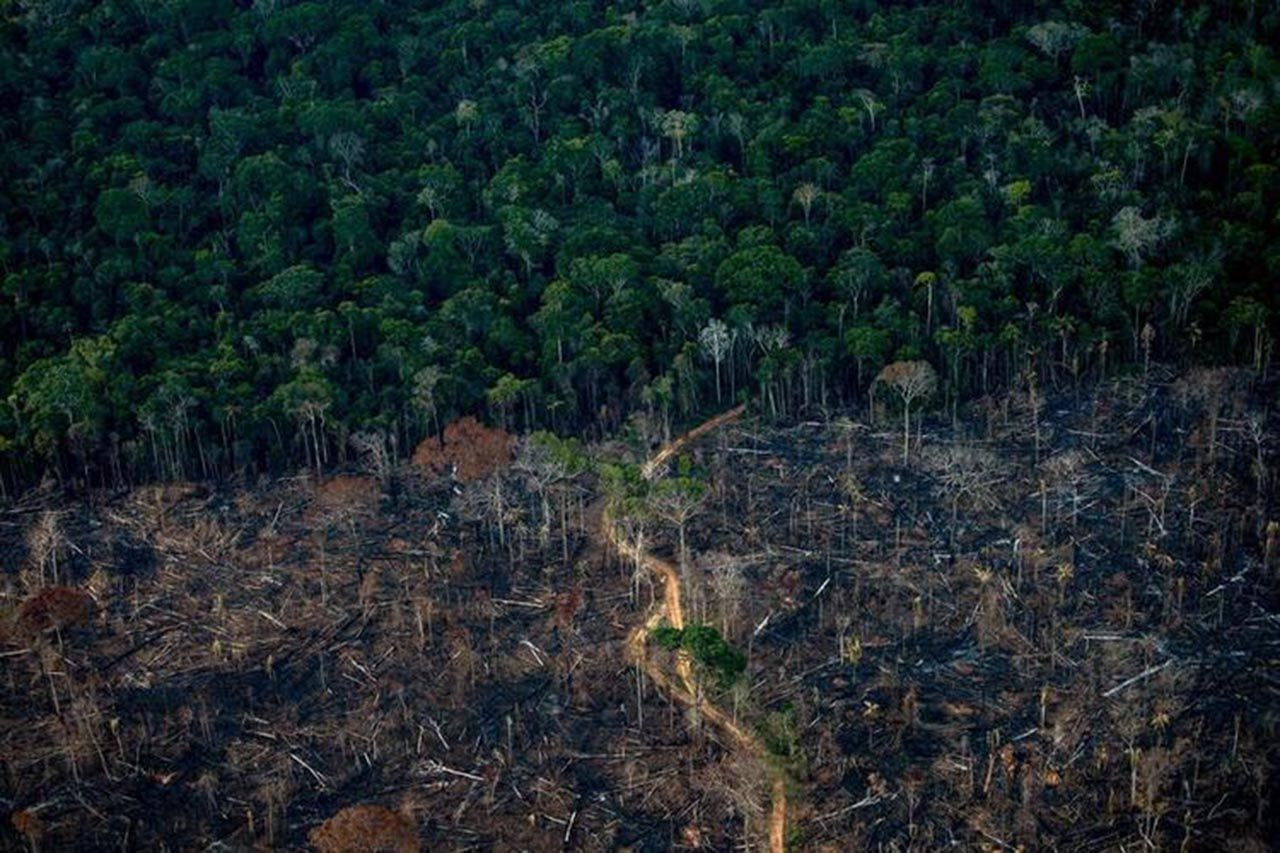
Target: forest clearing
x=973 y=646
x=639 y=425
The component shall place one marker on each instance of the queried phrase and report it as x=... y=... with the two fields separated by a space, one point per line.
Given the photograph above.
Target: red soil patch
x=366 y=829
x=347 y=490
x=55 y=607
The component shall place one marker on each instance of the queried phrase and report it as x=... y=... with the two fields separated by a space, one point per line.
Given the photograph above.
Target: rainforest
x=492 y=424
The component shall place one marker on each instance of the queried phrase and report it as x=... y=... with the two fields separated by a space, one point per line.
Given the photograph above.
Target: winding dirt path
x=683 y=687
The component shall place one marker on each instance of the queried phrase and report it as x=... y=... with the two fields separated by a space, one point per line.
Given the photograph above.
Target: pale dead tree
x=1188 y=282
x=635 y=75
x=545 y=464
x=295 y=88
x=1053 y=38
x=541 y=470
x=874 y=53
x=1147 y=338
x=146 y=190
x=1068 y=477
x=348 y=147
x=1271 y=551
x=376 y=452
x=310 y=415
x=927 y=168
x=684 y=35
x=869 y=104
x=1256 y=428
x=965 y=474
x=771 y=339
x=423 y=396
x=988 y=615
x=1137 y=236
x=678 y=126
x=855 y=498
x=991 y=174
x=434 y=196
x=470 y=240
x=677 y=501
x=534 y=105
x=530 y=69
x=46 y=543
x=716 y=339
x=342 y=504
x=1035 y=402
x=911 y=381
x=742 y=780
x=595 y=114
x=847 y=427
x=1080 y=87
x=404 y=254
x=1243 y=103
x=806 y=195
x=729 y=585
x=490 y=500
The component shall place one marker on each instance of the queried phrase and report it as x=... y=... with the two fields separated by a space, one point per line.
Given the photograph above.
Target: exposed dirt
x=671 y=611
x=1052 y=627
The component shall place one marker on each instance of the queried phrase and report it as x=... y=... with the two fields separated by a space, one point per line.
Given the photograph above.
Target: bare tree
x=1053 y=38
x=1137 y=236
x=45 y=543
x=806 y=195
x=716 y=340
x=376 y=452
x=870 y=104
x=912 y=381
x=547 y=461
x=349 y=148
x=965 y=474
x=677 y=126
x=729 y=584
x=1068 y=474
x=678 y=500
x=1080 y=87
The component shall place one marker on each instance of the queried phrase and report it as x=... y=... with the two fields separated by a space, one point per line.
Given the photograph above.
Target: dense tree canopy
x=235 y=233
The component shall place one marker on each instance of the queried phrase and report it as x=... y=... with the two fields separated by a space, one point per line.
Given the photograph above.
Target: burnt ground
x=990 y=648
x=1063 y=636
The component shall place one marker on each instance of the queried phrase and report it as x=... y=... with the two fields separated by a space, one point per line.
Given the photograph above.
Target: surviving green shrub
x=707 y=647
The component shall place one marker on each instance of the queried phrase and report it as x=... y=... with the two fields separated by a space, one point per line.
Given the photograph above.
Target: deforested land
x=697 y=424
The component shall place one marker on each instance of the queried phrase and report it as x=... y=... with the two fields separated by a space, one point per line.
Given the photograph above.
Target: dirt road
x=670 y=609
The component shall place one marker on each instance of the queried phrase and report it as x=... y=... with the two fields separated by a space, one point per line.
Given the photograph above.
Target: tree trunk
x=906 y=431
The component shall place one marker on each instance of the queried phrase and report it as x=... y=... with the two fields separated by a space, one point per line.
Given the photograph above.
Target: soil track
x=670 y=609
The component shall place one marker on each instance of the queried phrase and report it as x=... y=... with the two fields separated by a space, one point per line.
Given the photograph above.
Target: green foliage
x=705 y=644
x=284 y=206
x=667 y=637
x=781 y=737
x=683 y=487
x=568 y=454
x=626 y=489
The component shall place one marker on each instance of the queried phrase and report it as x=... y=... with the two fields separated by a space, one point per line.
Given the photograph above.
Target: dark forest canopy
x=236 y=234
